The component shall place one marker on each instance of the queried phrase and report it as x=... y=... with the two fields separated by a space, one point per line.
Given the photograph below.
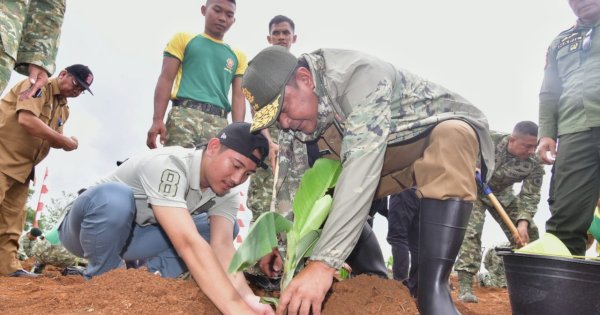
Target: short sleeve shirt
x=208 y=67
x=170 y=177
x=20 y=151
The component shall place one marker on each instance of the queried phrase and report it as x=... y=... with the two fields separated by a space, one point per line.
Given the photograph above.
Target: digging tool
x=505 y=218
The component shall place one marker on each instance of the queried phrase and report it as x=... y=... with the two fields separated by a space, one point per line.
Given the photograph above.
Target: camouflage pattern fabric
x=190 y=128
x=260 y=190
x=494 y=264
x=509 y=170
x=30 y=33
x=56 y=255
x=375 y=105
x=293 y=161
x=25 y=247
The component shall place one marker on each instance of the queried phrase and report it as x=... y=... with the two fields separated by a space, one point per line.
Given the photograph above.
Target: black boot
x=38 y=268
x=366 y=257
x=441 y=230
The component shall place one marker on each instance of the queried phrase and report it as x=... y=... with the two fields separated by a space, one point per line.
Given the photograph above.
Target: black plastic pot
x=547 y=285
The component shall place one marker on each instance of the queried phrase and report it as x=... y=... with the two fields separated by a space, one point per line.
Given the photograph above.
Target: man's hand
x=307 y=290
x=271 y=264
x=70 y=144
x=157 y=129
x=38 y=77
x=254 y=302
x=522 y=227
x=547 y=145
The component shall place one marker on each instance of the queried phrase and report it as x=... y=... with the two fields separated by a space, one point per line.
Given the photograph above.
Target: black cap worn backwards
x=82 y=74
x=237 y=136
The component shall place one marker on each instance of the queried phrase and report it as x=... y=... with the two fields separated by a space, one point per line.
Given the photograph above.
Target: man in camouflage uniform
x=515 y=163
x=494 y=265
x=260 y=191
x=29 y=37
x=46 y=253
x=392 y=130
x=26 y=242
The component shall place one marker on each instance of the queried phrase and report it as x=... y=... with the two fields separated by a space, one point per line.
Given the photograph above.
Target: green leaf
x=317 y=215
x=269 y=300
x=261 y=240
x=314 y=184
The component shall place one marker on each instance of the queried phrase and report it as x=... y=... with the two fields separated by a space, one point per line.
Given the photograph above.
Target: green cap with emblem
x=264 y=83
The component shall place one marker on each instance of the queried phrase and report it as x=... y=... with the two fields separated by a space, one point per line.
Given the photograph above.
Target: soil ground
x=140 y=292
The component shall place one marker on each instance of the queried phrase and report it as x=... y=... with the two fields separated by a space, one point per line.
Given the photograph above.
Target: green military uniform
x=260 y=191
x=57 y=255
x=25 y=246
x=29 y=34
x=570 y=112
x=509 y=170
x=494 y=264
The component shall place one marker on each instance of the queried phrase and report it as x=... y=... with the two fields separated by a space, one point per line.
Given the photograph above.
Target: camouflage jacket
x=374 y=104
x=30 y=32
x=25 y=247
x=510 y=170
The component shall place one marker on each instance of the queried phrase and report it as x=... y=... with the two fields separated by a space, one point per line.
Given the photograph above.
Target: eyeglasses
x=587 y=40
x=76 y=85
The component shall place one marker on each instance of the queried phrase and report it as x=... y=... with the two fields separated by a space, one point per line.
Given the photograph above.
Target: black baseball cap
x=237 y=136
x=35 y=232
x=82 y=74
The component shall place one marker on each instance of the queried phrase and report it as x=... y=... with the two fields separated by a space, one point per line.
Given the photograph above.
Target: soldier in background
x=30 y=32
x=260 y=190
x=26 y=242
x=46 y=253
x=515 y=163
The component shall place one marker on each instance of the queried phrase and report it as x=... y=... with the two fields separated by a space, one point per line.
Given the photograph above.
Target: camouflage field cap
x=264 y=83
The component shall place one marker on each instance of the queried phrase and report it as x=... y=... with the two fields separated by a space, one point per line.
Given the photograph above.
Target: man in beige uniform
x=28 y=129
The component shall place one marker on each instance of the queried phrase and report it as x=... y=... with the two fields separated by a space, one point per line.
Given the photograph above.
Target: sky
x=492 y=52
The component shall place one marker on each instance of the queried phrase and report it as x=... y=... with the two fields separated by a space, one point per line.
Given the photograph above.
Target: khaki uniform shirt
x=510 y=170
x=570 y=93
x=375 y=105
x=20 y=151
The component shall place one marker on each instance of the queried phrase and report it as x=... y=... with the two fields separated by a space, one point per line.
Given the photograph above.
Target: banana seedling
x=311 y=207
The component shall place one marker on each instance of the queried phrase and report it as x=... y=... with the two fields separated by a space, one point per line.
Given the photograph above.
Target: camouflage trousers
x=55 y=255
x=494 y=264
x=7 y=63
x=190 y=127
x=469 y=257
x=260 y=190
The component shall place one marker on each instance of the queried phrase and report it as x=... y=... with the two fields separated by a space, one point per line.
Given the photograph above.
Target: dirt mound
x=140 y=292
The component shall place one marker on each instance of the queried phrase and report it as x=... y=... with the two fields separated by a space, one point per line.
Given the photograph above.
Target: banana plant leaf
x=261 y=240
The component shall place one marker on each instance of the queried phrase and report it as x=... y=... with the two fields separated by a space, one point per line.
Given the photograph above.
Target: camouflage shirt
x=30 y=32
x=25 y=247
x=374 y=104
x=510 y=170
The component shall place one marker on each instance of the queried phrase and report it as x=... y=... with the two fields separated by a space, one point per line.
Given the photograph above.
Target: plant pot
x=539 y=284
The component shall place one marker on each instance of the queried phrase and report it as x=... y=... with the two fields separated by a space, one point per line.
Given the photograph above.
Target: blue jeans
x=101 y=228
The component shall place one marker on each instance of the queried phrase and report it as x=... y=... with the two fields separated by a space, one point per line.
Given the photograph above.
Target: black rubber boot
x=366 y=257
x=441 y=230
x=38 y=268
